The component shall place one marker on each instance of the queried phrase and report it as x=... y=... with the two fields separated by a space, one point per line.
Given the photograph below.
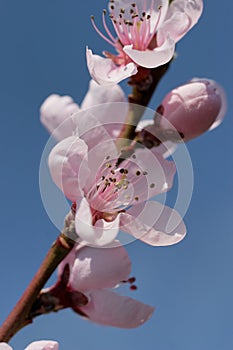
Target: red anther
x=131 y=280
x=133 y=287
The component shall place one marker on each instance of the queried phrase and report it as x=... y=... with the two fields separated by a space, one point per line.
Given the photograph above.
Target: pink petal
x=112 y=108
x=5 y=346
x=220 y=91
x=192 y=10
x=193 y=108
x=108 y=308
x=105 y=72
x=101 y=94
x=99 y=234
x=43 y=345
x=152 y=58
x=98 y=268
x=148 y=174
x=100 y=124
x=55 y=115
x=68 y=166
x=177 y=25
x=154 y=224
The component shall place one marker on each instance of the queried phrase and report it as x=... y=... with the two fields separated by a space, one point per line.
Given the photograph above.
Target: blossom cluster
x=112 y=190
x=110 y=164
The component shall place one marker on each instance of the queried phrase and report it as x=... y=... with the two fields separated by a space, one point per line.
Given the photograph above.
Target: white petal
x=105 y=72
x=97 y=268
x=99 y=234
x=153 y=224
x=101 y=94
x=68 y=166
x=152 y=58
x=191 y=11
x=5 y=346
x=56 y=115
x=108 y=308
x=43 y=345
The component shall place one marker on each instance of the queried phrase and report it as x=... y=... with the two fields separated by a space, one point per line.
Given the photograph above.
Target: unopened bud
x=194 y=108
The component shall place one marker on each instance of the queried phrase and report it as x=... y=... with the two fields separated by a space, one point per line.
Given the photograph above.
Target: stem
x=144 y=84
x=19 y=316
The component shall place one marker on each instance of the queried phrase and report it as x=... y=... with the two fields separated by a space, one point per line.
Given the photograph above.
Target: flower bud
x=193 y=108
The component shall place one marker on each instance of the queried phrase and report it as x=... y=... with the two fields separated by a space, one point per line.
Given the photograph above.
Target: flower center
x=132 y=26
x=116 y=188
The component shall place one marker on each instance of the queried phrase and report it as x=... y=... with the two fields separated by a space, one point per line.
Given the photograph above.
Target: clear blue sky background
x=42 y=47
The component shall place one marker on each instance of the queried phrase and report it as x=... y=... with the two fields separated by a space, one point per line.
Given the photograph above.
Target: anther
x=92 y=18
x=138 y=172
x=133 y=287
x=133 y=5
x=148 y=16
x=122 y=171
x=122 y=10
x=145 y=173
x=112 y=7
x=136 y=198
x=131 y=280
x=125 y=171
x=152 y=185
x=104 y=12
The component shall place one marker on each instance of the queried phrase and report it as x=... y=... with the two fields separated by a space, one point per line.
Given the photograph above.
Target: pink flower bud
x=194 y=108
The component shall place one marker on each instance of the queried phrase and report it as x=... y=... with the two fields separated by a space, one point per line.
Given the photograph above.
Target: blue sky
x=191 y=284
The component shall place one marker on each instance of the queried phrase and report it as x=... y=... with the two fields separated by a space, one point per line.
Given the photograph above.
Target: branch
x=20 y=315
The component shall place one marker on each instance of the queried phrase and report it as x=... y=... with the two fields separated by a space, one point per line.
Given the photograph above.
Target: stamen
x=101 y=34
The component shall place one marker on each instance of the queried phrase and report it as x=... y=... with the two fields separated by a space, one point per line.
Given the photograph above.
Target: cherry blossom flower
x=193 y=108
x=111 y=196
x=94 y=272
x=36 y=345
x=57 y=112
x=146 y=33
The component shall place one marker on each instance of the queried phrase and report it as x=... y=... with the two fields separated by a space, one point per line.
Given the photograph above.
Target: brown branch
x=144 y=84
x=19 y=316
